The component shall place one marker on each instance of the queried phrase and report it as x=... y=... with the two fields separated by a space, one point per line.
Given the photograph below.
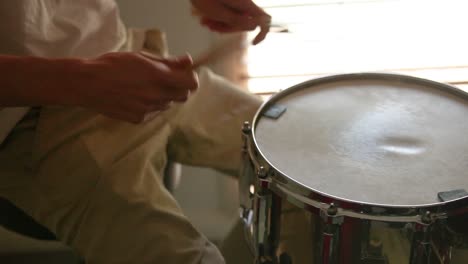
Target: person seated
x=88 y=123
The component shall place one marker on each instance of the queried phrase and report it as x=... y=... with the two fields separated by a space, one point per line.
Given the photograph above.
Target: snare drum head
x=378 y=139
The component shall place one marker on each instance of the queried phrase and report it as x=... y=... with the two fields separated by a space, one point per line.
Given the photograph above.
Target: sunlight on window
x=421 y=38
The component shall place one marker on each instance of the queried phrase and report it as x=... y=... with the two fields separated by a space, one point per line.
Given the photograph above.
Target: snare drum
x=357 y=168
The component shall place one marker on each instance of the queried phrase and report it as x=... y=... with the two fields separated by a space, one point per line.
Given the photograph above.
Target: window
x=314 y=38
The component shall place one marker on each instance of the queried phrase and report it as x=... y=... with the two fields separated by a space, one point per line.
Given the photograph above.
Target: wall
x=207 y=197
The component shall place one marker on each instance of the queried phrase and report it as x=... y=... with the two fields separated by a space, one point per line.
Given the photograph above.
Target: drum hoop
x=282 y=179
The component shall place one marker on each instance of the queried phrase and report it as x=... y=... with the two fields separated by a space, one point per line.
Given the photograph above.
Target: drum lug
x=330 y=239
x=421 y=248
x=247 y=189
x=262 y=180
x=266 y=217
x=246 y=180
x=330 y=215
x=261 y=172
x=266 y=227
x=260 y=210
x=246 y=131
x=247 y=172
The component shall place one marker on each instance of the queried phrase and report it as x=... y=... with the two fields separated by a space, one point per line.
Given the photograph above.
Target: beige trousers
x=96 y=182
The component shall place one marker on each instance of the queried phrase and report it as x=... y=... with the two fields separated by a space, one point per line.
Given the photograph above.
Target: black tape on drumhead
x=452 y=195
x=275 y=111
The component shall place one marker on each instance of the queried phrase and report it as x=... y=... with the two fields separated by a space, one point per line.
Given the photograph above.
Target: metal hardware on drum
x=266 y=219
x=330 y=239
x=421 y=248
x=416 y=218
x=246 y=206
x=260 y=215
x=261 y=172
x=246 y=129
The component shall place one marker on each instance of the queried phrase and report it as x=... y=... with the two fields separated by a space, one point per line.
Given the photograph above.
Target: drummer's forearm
x=35 y=81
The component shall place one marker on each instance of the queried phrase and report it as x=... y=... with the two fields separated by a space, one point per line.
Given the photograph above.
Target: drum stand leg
x=330 y=236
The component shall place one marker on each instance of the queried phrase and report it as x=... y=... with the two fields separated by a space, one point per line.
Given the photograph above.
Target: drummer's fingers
x=232 y=16
x=264 y=29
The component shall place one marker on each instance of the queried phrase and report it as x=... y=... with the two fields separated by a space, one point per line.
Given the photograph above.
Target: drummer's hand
x=133 y=87
x=232 y=16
